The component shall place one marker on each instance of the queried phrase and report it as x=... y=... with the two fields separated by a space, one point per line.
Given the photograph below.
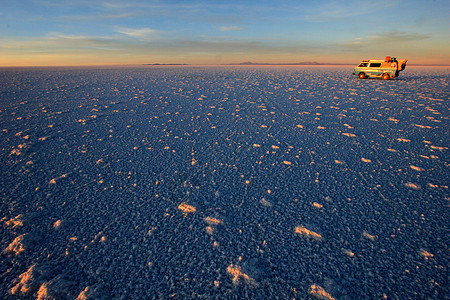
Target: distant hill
x=157 y=64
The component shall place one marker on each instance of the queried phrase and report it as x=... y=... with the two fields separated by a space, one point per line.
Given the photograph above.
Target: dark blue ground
x=96 y=162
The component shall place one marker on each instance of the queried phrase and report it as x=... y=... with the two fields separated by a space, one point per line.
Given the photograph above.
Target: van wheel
x=362 y=76
x=386 y=76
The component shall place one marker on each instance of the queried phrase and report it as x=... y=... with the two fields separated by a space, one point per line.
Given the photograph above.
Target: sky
x=91 y=32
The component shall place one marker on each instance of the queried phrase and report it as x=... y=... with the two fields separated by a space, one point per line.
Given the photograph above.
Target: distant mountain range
x=157 y=64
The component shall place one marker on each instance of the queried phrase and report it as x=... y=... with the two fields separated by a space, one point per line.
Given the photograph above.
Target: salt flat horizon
x=210 y=65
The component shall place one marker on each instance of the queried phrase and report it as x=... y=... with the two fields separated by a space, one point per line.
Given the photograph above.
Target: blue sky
x=81 y=32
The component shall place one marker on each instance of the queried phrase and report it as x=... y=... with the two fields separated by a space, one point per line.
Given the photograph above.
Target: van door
x=374 y=69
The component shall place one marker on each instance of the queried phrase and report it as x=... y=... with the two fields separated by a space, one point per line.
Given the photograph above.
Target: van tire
x=386 y=76
x=362 y=76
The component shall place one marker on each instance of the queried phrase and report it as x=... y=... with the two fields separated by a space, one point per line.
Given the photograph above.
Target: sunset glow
x=78 y=32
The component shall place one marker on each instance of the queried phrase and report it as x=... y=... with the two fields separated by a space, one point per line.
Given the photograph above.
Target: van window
x=362 y=65
x=375 y=65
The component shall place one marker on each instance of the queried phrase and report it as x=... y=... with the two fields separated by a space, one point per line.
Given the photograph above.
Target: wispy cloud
x=230 y=28
x=338 y=10
x=390 y=38
x=96 y=17
x=141 y=41
x=57 y=42
x=142 y=34
x=113 y=5
x=397 y=37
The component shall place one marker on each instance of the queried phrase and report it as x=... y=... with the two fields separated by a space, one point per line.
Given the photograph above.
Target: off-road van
x=386 y=69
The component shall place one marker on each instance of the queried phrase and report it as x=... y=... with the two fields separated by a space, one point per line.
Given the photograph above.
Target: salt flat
x=224 y=183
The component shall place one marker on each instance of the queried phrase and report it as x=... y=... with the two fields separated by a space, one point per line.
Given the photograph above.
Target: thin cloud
x=142 y=34
x=230 y=28
x=385 y=38
x=113 y=5
x=96 y=17
x=77 y=39
x=397 y=37
x=336 y=10
x=141 y=41
x=235 y=46
x=57 y=42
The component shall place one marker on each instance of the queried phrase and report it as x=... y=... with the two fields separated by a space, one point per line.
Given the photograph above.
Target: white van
x=386 y=69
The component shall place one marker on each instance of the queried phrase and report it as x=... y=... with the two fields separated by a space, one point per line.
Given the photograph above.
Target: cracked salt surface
x=223 y=182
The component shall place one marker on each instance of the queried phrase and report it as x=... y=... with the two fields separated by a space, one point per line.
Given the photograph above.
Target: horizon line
x=247 y=63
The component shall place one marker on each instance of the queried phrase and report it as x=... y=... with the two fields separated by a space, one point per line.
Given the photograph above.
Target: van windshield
x=362 y=65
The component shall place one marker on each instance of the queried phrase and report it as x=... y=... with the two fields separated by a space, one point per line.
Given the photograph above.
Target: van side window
x=362 y=65
x=375 y=65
